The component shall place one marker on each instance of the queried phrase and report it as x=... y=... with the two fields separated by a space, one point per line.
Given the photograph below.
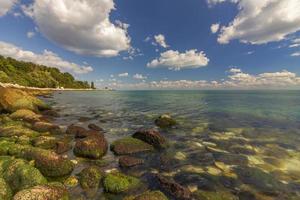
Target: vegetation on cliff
x=34 y=75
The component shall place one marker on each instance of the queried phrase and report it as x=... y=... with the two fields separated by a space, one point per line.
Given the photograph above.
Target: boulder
x=17 y=128
x=26 y=115
x=91 y=147
x=149 y=195
x=129 y=145
x=165 y=121
x=14 y=99
x=5 y=191
x=73 y=130
x=173 y=188
x=84 y=134
x=152 y=137
x=128 y=161
x=94 y=127
x=59 y=145
x=117 y=182
x=46 y=127
x=51 y=191
x=90 y=177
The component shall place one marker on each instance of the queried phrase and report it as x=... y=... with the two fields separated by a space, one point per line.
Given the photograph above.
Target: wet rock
x=149 y=195
x=200 y=180
x=90 y=177
x=48 y=162
x=14 y=99
x=261 y=180
x=116 y=182
x=5 y=191
x=73 y=130
x=152 y=137
x=26 y=115
x=204 y=158
x=84 y=119
x=94 y=127
x=17 y=128
x=46 y=127
x=173 y=188
x=53 y=191
x=84 y=134
x=72 y=181
x=165 y=121
x=231 y=159
x=51 y=113
x=219 y=195
x=91 y=147
x=59 y=145
x=238 y=149
x=129 y=145
x=128 y=161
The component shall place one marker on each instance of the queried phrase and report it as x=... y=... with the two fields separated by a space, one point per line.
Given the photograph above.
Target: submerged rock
x=129 y=145
x=73 y=130
x=84 y=134
x=231 y=159
x=173 y=188
x=219 y=195
x=117 y=182
x=53 y=191
x=94 y=127
x=128 y=161
x=165 y=121
x=152 y=137
x=5 y=191
x=149 y=195
x=91 y=147
x=90 y=177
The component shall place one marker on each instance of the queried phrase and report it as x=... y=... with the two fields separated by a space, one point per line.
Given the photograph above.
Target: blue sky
x=114 y=42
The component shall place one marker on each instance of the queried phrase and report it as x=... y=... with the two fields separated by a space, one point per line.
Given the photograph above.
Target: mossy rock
x=219 y=195
x=19 y=174
x=149 y=195
x=93 y=147
x=165 y=121
x=72 y=181
x=117 y=182
x=25 y=114
x=90 y=177
x=5 y=191
x=44 y=142
x=51 y=191
x=15 y=128
x=12 y=100
x=129 y=145
x=47 y=127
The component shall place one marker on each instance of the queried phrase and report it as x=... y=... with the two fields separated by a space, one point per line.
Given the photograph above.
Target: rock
x=60 y=145
x=17 y=128
x=19 y=174
x=165 y=121
x=152 y=137
x=231 y=159
x=5 y=191
x=53 y=191
x=173 y=188
x=46 y=127
x=26 y=115
x=91 y=147
x=51 y=113
x=48 y=162
x=128 y=161
x=90 y=177
x=219 y=195
x=72 y=181
x=84 y=134
x=84 y=119
x=238 y=149
x=129 y=145
x=14 y=99
x=94 y=127
x=73 y=130
x=149 y=195
x=116 y=182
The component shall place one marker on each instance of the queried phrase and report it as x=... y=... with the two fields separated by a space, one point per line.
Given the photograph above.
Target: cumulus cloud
x=123 y=74
x=6 y=6
x=235 y=70
x=175 y=60
x=139 y=77
x=30 y=34
x=47 y=58
x=81 y=26
x=261 y=21
x=214 y=28
x=295 y=54
x=161 y=40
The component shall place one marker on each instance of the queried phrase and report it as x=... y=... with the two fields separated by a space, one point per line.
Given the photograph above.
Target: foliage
x=34 y=75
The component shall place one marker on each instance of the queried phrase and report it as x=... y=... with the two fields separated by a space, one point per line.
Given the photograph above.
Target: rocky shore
x=41 y=160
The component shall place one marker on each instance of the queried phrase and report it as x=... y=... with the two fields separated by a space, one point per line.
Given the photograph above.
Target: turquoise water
x=261 y=127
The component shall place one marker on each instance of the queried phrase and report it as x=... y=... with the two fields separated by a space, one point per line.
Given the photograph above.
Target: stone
x=5 y=191
x=93 y=147
x=84 y=134
x=72 y=181
x=46 y=127
x=90 y=177
x=26 y=115
x=165 y=121
x=129 y=145
x=73 y=130
x=94 y=127
x=116 y=182
x=152 y=137
x=128 y=161
x=148 y=195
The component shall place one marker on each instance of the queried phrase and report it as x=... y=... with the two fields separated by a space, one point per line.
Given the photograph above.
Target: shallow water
x=240 y=143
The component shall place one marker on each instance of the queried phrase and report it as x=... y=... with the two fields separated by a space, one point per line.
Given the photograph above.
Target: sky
x=159 y=44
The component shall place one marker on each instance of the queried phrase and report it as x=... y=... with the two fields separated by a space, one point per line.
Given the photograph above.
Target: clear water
x=261 y=126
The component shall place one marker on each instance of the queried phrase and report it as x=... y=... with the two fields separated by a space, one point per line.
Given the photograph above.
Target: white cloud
x=123 y=74
x=296 y=54
x=81 y=26
x=214 y=28
x=261 y=21
x=235 y=70
x=174 y=60
x=139 y=77
x=30 y=34
x=46 y=58
x=161 y=40
x=6 y=6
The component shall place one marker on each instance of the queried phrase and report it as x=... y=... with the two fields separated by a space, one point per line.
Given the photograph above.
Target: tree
x=93 y=85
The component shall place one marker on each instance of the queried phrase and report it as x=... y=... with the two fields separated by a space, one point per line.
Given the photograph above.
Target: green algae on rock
x=149 y=195
x=17 y=128
x=165 y=121
x=51 y=191
x=5 y=191
x=72 y=181
x=46 y=127
x=116 y=182
x=25 y=114
x=90 y=177
x=129 y=145
x=151 y=137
